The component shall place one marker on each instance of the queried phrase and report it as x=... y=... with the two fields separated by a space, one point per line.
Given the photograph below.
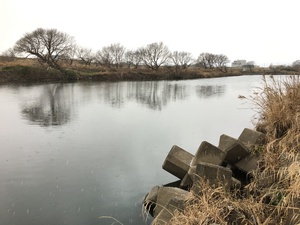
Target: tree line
x=51 y=47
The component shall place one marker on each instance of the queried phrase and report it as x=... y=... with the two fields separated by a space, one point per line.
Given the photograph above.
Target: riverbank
x=272 y=196
x=21 y=73
x=30 y=70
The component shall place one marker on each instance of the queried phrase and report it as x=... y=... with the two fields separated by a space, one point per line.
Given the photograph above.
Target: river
x=72 y=153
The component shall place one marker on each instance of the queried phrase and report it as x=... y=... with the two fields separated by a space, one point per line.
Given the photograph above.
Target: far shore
x=29 y=70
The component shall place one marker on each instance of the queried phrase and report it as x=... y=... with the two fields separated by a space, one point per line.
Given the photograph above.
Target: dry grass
x=20 y=62
x=79 y=66
x=274 y=195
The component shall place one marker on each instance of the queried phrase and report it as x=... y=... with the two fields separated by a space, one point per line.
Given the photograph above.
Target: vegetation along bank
x=52 y=55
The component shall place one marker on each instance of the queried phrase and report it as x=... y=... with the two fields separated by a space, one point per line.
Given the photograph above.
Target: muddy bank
x=27 y=74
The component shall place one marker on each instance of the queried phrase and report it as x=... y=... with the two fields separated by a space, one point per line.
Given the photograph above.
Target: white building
x=238 y=63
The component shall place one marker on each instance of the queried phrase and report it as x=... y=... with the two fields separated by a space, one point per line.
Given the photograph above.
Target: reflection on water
x=153 y=94
x=207 y=91
x=95 y=149
x=52 y=107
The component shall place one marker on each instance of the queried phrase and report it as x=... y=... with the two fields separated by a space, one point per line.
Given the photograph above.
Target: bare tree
x=111 y=55
x=206 y=60
x=85 y=55
x=296 y=64
x=155 y=55
x=133 y=58
x=70 y=55
x=249 y=65
x=104 y=57
x=8 y=55
x=48 y=45
x=181 y=60
x=117 y=52
x=201 y=61
x=221 y=62
x=209 y=60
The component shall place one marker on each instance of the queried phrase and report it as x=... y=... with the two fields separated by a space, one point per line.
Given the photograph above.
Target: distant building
x=238 y=63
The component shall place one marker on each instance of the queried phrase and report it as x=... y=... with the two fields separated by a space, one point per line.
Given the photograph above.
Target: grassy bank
x=30 y=70
x=273 y=196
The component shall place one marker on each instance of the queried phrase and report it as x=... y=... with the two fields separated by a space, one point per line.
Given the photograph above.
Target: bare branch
x=155 y=55
x=182 y=60
x=48 y=45
x=85 y=55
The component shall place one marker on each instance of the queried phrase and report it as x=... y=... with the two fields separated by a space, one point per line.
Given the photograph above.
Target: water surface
x=71 y=153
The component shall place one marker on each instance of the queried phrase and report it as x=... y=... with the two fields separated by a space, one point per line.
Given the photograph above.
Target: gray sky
x=264 y=31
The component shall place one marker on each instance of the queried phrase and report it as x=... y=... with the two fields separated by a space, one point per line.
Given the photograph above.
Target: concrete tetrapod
x=216 y=176
x=167 y=213
x=207 y=153
x=150 y=200
x=224 y=166
x=165 y=194
x=250 y=138
x=178 y=162
x=235 y=150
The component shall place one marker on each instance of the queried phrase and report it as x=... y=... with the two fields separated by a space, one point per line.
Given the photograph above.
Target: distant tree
x=206 y=60
x=201 y=61
x=104 y=57
x=111 y=55
x=249 y=65
x=69 y=57
x=181 y=60
x=296 y=64
x=221 y=62
x=48 y=45
x=155 y=55
x=85 y=55
x=117 y=52
x=211 y=60
x=8 y=55
x=133 y=58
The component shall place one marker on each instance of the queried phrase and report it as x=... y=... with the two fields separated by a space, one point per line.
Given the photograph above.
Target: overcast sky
x=264 y=31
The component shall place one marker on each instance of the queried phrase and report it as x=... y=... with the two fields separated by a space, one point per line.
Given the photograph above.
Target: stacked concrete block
x=226 y=141
x=207 y=153
x=167 y=213
x=188 y=179
x=162 y=202
x=250 y=138
x=248 y=164
x=151 y=199
x=178 y=162
x=235 y=150
x=215 y=175
x=253 y=140
x=219 y=166
x=235 y=153
x=165 y=194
